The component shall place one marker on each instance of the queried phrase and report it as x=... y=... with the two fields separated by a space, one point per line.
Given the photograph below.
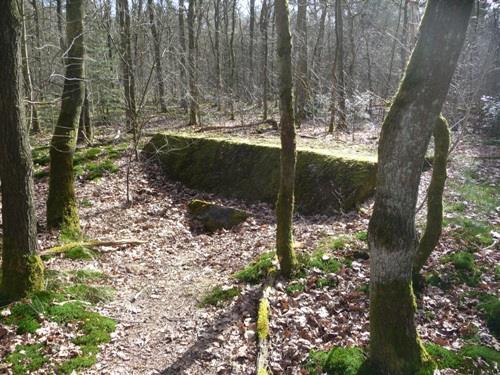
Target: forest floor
x=159 y=286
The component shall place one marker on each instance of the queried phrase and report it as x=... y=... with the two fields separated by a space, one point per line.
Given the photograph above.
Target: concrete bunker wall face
x=325 y=183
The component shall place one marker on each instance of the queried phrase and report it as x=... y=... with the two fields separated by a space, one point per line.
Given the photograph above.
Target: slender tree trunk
x=127 y=64
x=194 y=115
x=183 y=54
x=339 y=67
x=404 y=36
x=232 y=59
x=393 y=49
x=317 y=52
x=33 y=122
x=394 y=344
x=284 y=205
x=157 y=56
x=85 y=128
x=301 y=86
x=435 y=191
x=264 y=21
x=36 y=19
x=218 y=73
x=62 y=43
x=22 y=269
x=62 y=208
x=252 y=37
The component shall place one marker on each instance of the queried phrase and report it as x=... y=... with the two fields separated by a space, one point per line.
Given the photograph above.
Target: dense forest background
x=235 y=67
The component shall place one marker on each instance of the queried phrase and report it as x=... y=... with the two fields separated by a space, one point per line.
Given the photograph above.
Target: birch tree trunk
x=394 y=344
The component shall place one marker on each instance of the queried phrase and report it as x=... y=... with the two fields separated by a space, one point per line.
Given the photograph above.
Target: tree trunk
x=22 y=269
x=183 y=53
x=264 y=20
x=62 y=208
x=62 y=44
x=393 y=50
x=232 y=62
x=157 y=56
x=194 y=115
x=404 y=36
x=339 y=67
x=318 y=49
x=434 y=223
x=301 y=85
x=218 y=73
x=252 y=37
x=127 y=64
x=33 y=122
x=394 y=344
x=284 y=205
x=85 y=128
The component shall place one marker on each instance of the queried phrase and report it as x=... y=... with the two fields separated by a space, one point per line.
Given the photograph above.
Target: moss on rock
x=326 y=181
x=214 y=217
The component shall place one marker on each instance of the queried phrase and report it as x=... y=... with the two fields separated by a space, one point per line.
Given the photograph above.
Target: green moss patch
x=218 y=295
x=466 y=270
x=326 y=181
x=263 y=319
x=66 y=303
x=257 y=270
x=26 y=358
x=489 y=305
x=88 y=163
x=338 y=361
x=465 y=360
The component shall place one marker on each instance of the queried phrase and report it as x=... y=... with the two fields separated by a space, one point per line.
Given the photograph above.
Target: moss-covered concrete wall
x=326 y=181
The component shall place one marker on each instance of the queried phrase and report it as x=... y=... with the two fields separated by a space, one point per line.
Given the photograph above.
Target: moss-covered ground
x=89 y=163
x=471 y=359
x=67 y=301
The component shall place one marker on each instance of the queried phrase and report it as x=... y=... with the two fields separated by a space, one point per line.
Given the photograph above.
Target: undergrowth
x=88 y=163
x=67 y=302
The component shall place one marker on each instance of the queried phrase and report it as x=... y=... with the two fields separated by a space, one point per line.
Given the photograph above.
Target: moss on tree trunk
x=394 y=345
x=22 y=269
x=434 y=223
x=284 y=205
x=62 y=210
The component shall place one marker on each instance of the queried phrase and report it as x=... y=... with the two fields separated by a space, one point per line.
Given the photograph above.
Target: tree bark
x=194 y=115
x=127 y=64
x=218 y=76
x=157 y=56
x=183 y=54
x=341 y=124
x=232 y=60
x=301 y=85
x=33 y=122
x=85 y=128
x=252 y=37
x=284 y=205
x=22 y=269
x=264 y=21
x=394 y=344
x=434 y=223
x=62 y=208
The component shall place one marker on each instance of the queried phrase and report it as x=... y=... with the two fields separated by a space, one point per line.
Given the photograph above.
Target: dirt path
x=159 y=284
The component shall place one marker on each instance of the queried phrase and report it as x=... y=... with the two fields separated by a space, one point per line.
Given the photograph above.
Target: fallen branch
x=263 y=327
x=95 y=243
